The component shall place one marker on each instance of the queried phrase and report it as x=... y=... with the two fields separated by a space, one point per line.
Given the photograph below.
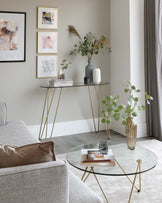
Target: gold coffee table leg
x=139 y=161
x=92 y=170
x=84 y=173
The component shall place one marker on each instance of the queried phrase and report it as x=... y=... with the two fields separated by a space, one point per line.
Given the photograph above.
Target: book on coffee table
x=94 y=157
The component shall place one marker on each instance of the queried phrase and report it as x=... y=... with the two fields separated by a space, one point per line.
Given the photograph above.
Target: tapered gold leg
x=99 y=107
x=41 y=132
x=138 y=169
x=43 y=113
x=86 y=177
x=84 y=173
x=56 y=112
x=139 y=161
x=90 y=98
x=98 y=94
x=126 y=174
x=99 y=184
x=47 y=115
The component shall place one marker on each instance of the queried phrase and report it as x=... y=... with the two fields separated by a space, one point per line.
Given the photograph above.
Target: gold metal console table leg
x=90 y=98
x=56 y=112
x=93 y=172
x=43 y=113
x=99 y=93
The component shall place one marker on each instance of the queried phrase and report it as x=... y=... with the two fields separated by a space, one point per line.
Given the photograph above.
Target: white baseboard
x=68 y=128
x=85 y=126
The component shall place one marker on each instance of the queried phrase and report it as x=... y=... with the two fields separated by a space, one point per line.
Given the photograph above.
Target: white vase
x=96 y=75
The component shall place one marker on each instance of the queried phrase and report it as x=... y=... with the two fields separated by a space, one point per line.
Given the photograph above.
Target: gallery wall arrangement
x=47 y=42
x=12 y=36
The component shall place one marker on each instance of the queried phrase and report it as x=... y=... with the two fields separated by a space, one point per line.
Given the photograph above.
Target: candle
x=96 y=75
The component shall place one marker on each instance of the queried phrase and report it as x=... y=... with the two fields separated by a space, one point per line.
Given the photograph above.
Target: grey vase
x=89 y=71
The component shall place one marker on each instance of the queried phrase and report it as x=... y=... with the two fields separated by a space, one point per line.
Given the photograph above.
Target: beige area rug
x=118 y=189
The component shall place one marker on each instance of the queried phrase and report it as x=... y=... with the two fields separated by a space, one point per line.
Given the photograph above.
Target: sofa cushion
x=11 y=156
x=79 y=192
x=16 y=133
x=3 y=113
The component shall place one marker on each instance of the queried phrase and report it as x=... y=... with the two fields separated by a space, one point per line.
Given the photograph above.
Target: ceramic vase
x=131 y=134
x=89 y=71
x=96 y=75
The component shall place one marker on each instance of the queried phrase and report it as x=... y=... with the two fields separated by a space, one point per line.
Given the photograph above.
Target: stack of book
x=94 y=157
x=60 y=82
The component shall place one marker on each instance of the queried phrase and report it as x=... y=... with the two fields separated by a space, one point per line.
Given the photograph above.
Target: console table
x=50 y=99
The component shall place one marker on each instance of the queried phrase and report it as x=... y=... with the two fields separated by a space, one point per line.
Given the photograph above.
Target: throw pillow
x=11 y=156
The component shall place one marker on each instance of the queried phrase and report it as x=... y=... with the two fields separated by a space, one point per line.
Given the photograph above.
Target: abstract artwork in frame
x=47 y=66
x=12 y=36
x=47 y=18
x=47 y=43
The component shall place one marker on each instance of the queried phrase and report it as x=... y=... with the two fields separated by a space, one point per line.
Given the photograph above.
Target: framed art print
x=12 y=36
x=47 y=18
x=47 y=42
x=47 y=66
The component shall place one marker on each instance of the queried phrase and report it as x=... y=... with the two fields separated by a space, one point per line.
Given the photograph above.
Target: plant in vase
x=126 y=112
x=130 y=111
x=89 y=46
x=64 y=66
x=111 y=111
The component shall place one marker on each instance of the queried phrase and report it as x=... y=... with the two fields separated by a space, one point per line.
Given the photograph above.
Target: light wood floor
x=65 y=143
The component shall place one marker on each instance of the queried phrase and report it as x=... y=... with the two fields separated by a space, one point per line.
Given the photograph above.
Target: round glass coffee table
x=127 y=162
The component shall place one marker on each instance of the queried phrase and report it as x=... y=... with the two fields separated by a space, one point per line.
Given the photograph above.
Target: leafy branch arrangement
x=133 y=107
x=65 y=63
x=125 y=112
x=112 y=109
x=89 y=45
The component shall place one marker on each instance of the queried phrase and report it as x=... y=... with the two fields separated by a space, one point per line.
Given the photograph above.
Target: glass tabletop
x=75 y=84
x=125 y=157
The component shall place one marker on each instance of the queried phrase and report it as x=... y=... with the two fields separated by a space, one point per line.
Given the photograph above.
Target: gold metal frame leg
x=47 y=115
x=86 y=177
x=90 y=98
x=41 y=132
x=98 y=94
x=43 y=113
x=56 y=112
x=99 y=107
x=99 y=184
x=84 y=173
x=139 y=161
x=126 y=174
x=93 y=172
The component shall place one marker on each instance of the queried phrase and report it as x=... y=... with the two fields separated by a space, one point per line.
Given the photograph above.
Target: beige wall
x=18 y=84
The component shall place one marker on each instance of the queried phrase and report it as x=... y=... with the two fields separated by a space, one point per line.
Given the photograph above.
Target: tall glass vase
x=131 y=134
x=89 y=71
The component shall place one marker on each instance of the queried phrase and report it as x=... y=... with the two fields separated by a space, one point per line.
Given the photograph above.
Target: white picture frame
x=47 y=18
x=47 y=66
x=47 y=42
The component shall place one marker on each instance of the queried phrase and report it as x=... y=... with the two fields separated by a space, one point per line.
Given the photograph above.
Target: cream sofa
x=49 y=182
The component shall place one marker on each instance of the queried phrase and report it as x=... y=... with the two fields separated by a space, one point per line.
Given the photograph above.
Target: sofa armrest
x=36 y=183
x=3 y=113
